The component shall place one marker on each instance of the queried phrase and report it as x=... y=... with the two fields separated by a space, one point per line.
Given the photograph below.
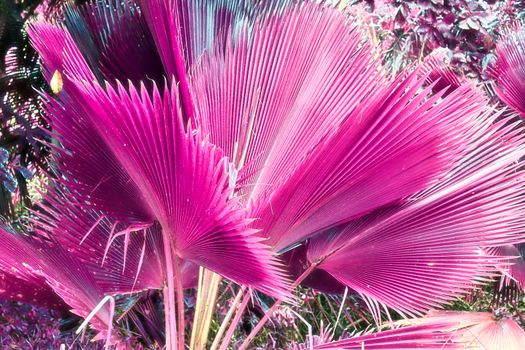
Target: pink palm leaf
x=317 y=127
x=183 y=180
x=311 y=159
x=441 y=74
x=359 y=166
x=508 y=71
x=128 y=154
x=512 y=279
x=428 y=251
x=477 y=330
x=20 y=284
x=66 y=275
x=120 y=267
x=433 y=336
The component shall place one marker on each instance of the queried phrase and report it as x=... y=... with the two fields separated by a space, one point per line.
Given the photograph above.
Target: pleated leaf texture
x=474 y=330
x=508 y=70
x=432 y=336
x=227 y=133
x=395 y=189
x=441 y=330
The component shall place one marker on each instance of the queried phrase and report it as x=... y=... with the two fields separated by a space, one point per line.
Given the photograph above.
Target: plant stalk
x=206 y=299
x=278 y=302
x=169 y=296
x=180 y=304
x=235 y=322
x=226 y=320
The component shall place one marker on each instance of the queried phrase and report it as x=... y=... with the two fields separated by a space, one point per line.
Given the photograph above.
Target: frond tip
x=434 y=336
x=476 y=330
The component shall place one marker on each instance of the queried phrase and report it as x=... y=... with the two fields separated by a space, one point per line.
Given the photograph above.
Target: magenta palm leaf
x=129 y=155
x=477 y=330
x=17 y=283
x=67 y=276
x=91 y=170
x=119 y=267
x=60 y=262
x=319 y=135
x=433 y=336
x=508 y=71
x=428 y=251
x=183 y=179
x=200 y=24
x=440 y=74
x=516 y=271
x=265 y=97
x=442 y=330
x=109 y=34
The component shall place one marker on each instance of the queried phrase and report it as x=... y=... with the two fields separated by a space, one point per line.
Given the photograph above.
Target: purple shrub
x=27 y=327
x=466 y=30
